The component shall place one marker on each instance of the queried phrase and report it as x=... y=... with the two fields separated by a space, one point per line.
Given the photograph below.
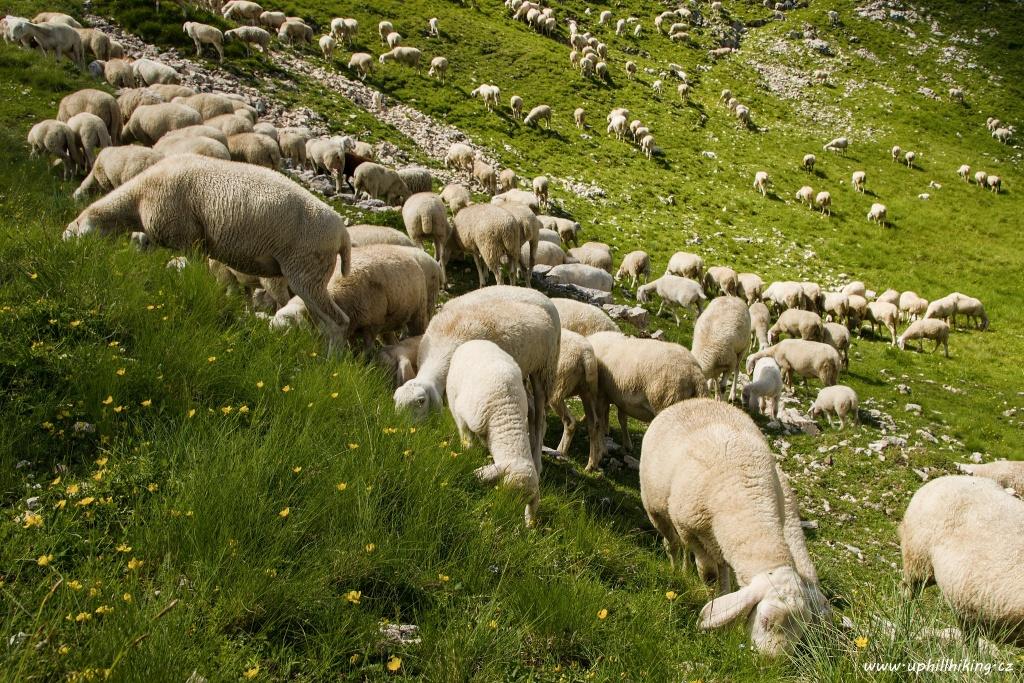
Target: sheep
x=168 y=91
x=200 y=145
x=577 y=376
x=814 y=299
x=760 y=319
x=272 y=19
x=406 y=56
x=742 y=113
x=95 y=41
x=541 y=112
x=251 y=218
x=199 y=131
x=438 y=68
x=456 y=197
x=805 y=195
x=878 y=213
x=857 y=309
x=710 y=485
x=333 y=156
x=327 y=45
x=855 y=287
x=95 y=102
x=675 y=292
x=151 y=72
x=981 y=178
x=56 y=18
x=394 y=39
x=1003 y=135
x=381 y=183
x=294 y=31
x=460 y=156
x=720 y=337
x=926 y=328
x=57 y=138
x=971 y=308
x=507 y=180
x=1007 y=473
x=824 y=201
x=568 y=230
x=516 y=196
x=425 y=216
x=641 y=378
x=656 y=86
x=912 y=305
x=995 y=183
x=838 y=399
x=909 y=158
x=242 y=11
x=581 y=275
x=253 y=148
x=784 y=295
x=432 y=28
x=963 y=534
x=684 y=264
x=523 y=322
x=204 y=34
x=858 y=179
x=230 y=124
x=798 y=324
x=749 y=286
x=889 y=296
x=722 y=279
x=545 y=254
x=647 y=145
x=484 y=174
x=581 y=318
x=820 y=75
x=492 y=236
x=809 y=161
x=400 y=359
x=837 y=145
x=764 y=389
x=362 y=235
x=266 y=128
x=885 y=313
x=833 y=17
x=115 y=166
x=809 y=359
x=361 y=63
x=683 y=90
x=595 y=254
x=90 y=134
x=384 y=28
x=964 y=172
x=117 y=72
x=838 y=337
x=487 y=400
x=416 y=178
x=60 y=39
x=540 y=188
x=617 y=126
x=529 y=236
x=635 y=264
x=151 y=122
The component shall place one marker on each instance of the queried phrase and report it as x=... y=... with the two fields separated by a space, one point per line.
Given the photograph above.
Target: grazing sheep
x=516 y=196
x=824 y=201
x=438 y=68
x=1003 y=135
x=151 y=72
x=488 y=93
x=798 y=324
x=721 y=279
x=456 y=196
x=806 y=358
x=294 y=31
x=266 y=128
x=581 y=275
x=805 y=195
x=117 y=72
x=635 y=264
x=242 y=11
x=529 y=236
x=384 y=28
x=460 y=156
x=995 y=183
x=912 y=305
x=964 y=172
x=838 y=145
x=507 y=180
x=254 y=148
x=361 y=63
x=857 y=307
x=820 y=75
x=95 y=41
x=760 y=319
x=926 y=328
x=710 y=485
x=878 y=213
x=641 y=378
x=58 y=139
x=981 y=178
x=617 y=126
x=647 y=145
x=837 y=399
x=151 y=122
x=909 y=158
x=784 y=294
x=230 y=124
x=838 y=337
x=545 y=254
x=56 y=18
x=764 y=389
x=809 y=161
x=884 y=313
x=579 y=116
x=749 y=286
x=90 y=134
x=889 y=296
x=855 y=287
x=568 y=230
x=583 y=319
x=684 y=264
x=204 y=34
x=198 y=144
x=540 y=188
x=963 y=534
x=327 y=44
x=487 y=401
x=363 y=235
x=972 y=309
x=250 y=218
x=492 y=236
x=59 y=39
x=115 y=166
x=406 y=56
x=676 y=292
x=720 y=338
x=595 y=254
x=248 y=36
x=541 y=112
x=95 y=102
x=272 y=19
x=416 y=178
x=484 y=174
x=858 y=180
x=400 y=359
x=432 y=28
x=394 y=39
x=425 y=217
x=1008 y=474
x=381 y=183
x=577 y=376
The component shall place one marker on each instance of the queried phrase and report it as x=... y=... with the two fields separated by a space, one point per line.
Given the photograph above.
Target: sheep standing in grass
x=492 y=236
x=805 y=195
x=995 y=183
x=425 y=217
x=720 y=338
x=406 y=56
x=460 y=156
x=878 y=213
x=252 y=219
x=926 y=328
x=594 y=254
x=577 y=376
x=749 y=286
x=294 y=31
x=798 y=324
x=972 y=309
x=151 y=72
x=583 y=319
x=721 y=279
x=981 y=178
x=95 y=102
x=249 y=35
x=963 y=534
x=90 y=133
x=762 y=393
x=886 y=314
x=1009 y=474
x=858 y=180
x=59 y=39
x=808 y=359
x=824 y=201
x=540 y=189
x=838 y=145
x=1003 y=135
x=327 y=44
x=242 y=11
x=384 y=28
x=58 y=139
x=115 y=166
x=487 y=401
x=675 y=292
x=361 y=63
x=909 y=159
x=760 y=319
x=438 y=68
x=379 y=182
x=484 y=174
x=151 y=122
x=911 y=305
x=809 y=161
x=838 y=337
x=204 y=34
x=685 y=264
x=456 y=197
x=579 y=116
x=964 y=172
x=541 y=112
x=507 y=180
x=636 y=265
x=839 y=400
x=710 y=485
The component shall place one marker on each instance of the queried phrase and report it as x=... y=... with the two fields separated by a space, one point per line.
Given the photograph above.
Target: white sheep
x=492 y=236
x=798 y=324
x=858 y=180
x=242 y=11
x=516 y=105
x=361 y=63
x=406 y=56
x=685 y=264
x=327 y=44
x=972 y=309
x=581 y=318
x=886 y=314
x=151 y=72
x=381 y=183
x=540 y=187
x=425 y=217
x=647 y=145
x=824 y=201
x=721 y=279
x=401 y=359
x=749 y=286
x=617 y=126
x=805 y=195
x=58 y=139
x=384 y=28
x=760 y=320
x=981 y=178
x=636 y=265
x=838 y=145
x=568 y=230
x=91 y=134
x=362 y=235
x=926 y=328
x=545 y=254
x=581 y=275
x=272 y=19
x=251 y=218
x=394 y=39
x=295 y=31
x=249 y=35
x=995 y=183
x=838 y=337
x=808 y=162
x=909 y=158
x=675 y=292
x=204 y=34
x=963 y=534
x=710 y=486
x=460 y=156
x=631 y=69
x=115 y=166
x=785 y=294
x=456 y=197
x=762 y=393
x=579 y=116
x=517 y=196
x=911 y=305
x=878 y=213
x=809 y=359
x=432 y=28
x=596 y=254
x=1009 y=474
x=541 y=112
x=1003 y=135
x=837 y=399
x=59 y=39
x=95 y=102
x=720 y=338
x=577 y=376
x=964 y=172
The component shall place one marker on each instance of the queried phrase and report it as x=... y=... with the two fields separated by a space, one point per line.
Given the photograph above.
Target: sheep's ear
x=726 y=608
x=405 y=371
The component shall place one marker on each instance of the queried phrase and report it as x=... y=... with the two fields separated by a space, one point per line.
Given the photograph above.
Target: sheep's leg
x=481 y=269
x=313 y=292
x=735 y=378
x=674 y=547
x=627 y=442
x=489 y=474
x=593 y=432
x=569 y=423
x=540 y=401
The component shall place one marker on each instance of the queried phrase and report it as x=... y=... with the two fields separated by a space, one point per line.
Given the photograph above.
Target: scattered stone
x=177 y=263
x=634 y=315
x=658 y=334
x=631 y=462
x=902 y=388
x=912 y=408
x=400 y=634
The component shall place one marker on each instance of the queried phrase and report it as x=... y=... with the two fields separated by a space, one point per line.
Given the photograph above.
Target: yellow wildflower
x=75 y=585
x=259 y=385
x=124 y=548
x=861 y=642
x=602 y=614
x=127 y=597
x=64 y=649
x=134 y=564
x=370 y=547
x=394 y=663
x=226 y=410
x=443 y=578
x=120 y=372
x=147 y=403
x=353 y=597
x=108 y=400
x=492 y=624
x=44 y=560
x=59 y=505
x=88 y=500
x=334 y=394
x=354 y=659
x=353 y=446
x=341 y=486
x=671 y=595
x=252 y=673
x=83 y=616
x=297 y=469
x=118 y=409
x=55 y=481
x=151 y=487
x=72 y=489
x=211 y=359
x=32 y=519
x=286 y=388
x=285 y=512
x=101 y=461
x=104 y=609
x=243 y=409
x=192 y=412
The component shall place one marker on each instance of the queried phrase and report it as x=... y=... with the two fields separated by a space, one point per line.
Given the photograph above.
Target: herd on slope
x=502 y=355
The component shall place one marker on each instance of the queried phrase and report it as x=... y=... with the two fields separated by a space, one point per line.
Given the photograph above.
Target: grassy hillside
x=207 y=496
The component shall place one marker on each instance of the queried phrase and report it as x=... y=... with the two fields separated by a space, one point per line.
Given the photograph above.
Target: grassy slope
x=258 y=588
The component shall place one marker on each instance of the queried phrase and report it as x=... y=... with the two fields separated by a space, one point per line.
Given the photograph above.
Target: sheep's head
x=77 y=228
x=417 y=398
x=778 y=605
x=643 y=293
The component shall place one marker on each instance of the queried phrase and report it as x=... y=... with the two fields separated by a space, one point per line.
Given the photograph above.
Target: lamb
x=764 y=389
x=838 y=399
x=926 y=328
x=95 y=102
x=1007 y=473
x=760 y=319
x=242 y=11
x=577 y=376
x=581 y=275
x=361 y=63
x=583 y=319
x=60 y=39
x=95 y=41
x=805 y=195
x=117 y=72
x=596 y=254
x=710 y=485
x=254 y=148
x=839 y=145
x=456 y=196
x=540 y=188
x=641 y=378
x=438 y=68
x=824 y=201
x=568 y=230
x=858 y=180
x=798 y=324
x=251 y=218
x=507 y=180
x=204 y=34
x=722 y=279
x=541 y=112
x=963 y=533
x=425 y=217
x=295 y=31
x=406 y=56
x=885 y=313
x=492 y=236
x=579 y=116
x=995 y=183
x=806 y=358
x=909 y=158
x=838 y=337
x=416 y=178
x=809 y=161
x=635 y=264
x=487 y=400
x=912 y=305
x=685 y=265
x=674 y=291
x=484 y=174
x=90 y=134
x=57 y=138
x=400 y=359
x=249 y=35
x=460 y=156
x=971 y=308
x=720 y=338
x=381 y=183
x=327 y=44
x=749 y=286
x=523 y=322
x=151 y=72
x=151 y=122
x=115 y=166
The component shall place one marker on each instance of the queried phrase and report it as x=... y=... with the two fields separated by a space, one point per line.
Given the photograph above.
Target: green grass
x=198 y=498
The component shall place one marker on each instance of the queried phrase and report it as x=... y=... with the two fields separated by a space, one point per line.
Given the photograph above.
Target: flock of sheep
x=205 y=172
